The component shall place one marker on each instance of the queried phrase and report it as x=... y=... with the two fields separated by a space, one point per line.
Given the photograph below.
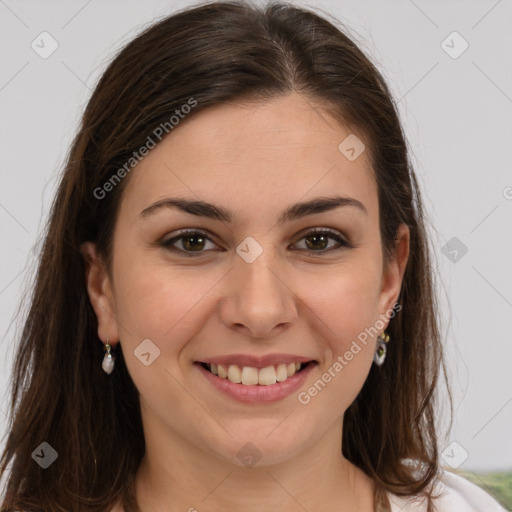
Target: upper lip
x=256 y=361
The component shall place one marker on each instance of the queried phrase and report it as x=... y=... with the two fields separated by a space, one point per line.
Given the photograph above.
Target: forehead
x=254 y=156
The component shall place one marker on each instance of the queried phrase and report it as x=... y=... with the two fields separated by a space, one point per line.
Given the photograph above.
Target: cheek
x=344 y=308
x=346 y=361
x=154 y=304
x=158 y=302
x=345 y=300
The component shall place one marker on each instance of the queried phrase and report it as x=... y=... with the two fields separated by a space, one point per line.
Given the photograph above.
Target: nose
x=258 y=302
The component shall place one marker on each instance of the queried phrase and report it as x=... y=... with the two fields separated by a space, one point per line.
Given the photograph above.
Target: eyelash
x=167 y=244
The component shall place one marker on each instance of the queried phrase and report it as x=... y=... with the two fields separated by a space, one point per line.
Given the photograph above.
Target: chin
x=261 y=446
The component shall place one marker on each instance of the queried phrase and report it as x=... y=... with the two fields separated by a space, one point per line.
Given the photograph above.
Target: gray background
x=457 y=116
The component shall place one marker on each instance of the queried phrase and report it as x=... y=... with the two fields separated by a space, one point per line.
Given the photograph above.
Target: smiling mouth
x=250 y=376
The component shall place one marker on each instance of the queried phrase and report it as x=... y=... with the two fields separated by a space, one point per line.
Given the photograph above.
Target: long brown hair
x=215 y=53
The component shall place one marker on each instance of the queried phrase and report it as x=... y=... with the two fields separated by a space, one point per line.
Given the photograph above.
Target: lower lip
x=258 y=393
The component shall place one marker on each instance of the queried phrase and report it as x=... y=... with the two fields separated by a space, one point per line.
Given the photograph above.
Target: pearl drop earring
x=108 y=360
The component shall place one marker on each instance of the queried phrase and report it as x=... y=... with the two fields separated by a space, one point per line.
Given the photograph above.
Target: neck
x=177 y=476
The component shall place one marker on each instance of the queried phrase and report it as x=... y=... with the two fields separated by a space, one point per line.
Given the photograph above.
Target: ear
x=100 y=293
x=394 y=272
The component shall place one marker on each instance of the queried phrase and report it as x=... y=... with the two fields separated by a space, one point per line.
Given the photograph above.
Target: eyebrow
x=211 y=211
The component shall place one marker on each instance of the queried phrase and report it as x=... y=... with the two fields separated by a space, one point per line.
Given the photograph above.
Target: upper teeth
x=251 y=376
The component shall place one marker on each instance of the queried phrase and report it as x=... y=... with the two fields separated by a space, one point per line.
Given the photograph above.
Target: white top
x=457 y=494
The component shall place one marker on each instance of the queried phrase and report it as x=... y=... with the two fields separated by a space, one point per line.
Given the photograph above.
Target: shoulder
x=454 y=493
x=461 y=492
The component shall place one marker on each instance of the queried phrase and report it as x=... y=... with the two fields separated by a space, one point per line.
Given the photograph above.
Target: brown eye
x=193 y=242
x=318 y=241
x=188 y=243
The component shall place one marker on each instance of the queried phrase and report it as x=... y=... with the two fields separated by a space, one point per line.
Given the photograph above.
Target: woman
x=234 y=306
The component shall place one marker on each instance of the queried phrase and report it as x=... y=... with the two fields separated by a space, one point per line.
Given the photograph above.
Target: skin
x=255 y=160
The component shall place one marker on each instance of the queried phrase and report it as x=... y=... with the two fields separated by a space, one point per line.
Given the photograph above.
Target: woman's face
x=255 y=288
